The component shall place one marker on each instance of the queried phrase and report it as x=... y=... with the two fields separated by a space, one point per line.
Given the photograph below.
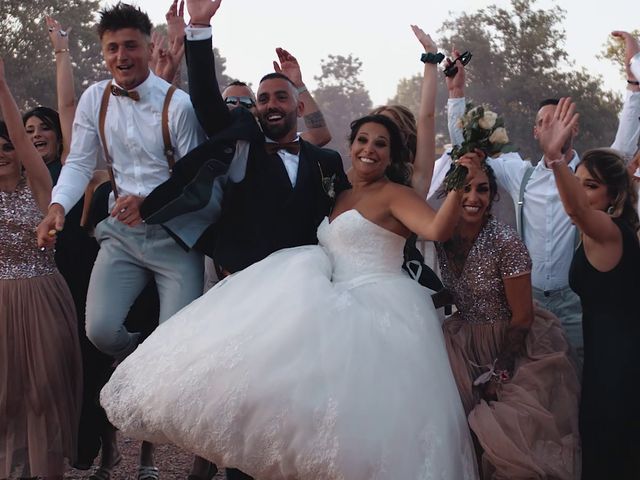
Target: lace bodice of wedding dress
x=359 y=248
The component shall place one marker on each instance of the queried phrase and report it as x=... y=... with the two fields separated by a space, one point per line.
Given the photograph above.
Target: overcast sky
x=248 y=31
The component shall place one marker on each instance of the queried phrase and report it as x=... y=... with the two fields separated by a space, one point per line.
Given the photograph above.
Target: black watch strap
x=431 y=57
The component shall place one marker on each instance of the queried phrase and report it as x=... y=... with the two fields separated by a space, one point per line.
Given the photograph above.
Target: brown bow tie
x=291 y=147
x=121 y=92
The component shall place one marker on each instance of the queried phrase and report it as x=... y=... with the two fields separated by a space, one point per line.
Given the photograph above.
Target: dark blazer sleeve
x=206 y=98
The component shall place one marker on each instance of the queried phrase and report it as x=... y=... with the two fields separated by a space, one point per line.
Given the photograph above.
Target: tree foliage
x=519 y=59
x=29 y=58
x=342 y=97
x=613 y=50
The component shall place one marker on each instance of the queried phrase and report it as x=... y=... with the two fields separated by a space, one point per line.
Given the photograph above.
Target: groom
x=251 y=189
x=262 y=187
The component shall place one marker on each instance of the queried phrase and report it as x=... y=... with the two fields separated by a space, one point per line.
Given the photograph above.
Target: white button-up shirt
x=548 y=232
x=133 y=132
x=290 y=161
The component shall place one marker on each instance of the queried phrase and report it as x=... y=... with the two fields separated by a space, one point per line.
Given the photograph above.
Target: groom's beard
x=276 y=131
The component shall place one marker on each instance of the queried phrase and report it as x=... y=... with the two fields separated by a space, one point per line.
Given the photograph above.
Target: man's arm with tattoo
x=317 y=132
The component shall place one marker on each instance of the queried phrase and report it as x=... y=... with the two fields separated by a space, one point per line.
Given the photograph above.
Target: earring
x=610 y=210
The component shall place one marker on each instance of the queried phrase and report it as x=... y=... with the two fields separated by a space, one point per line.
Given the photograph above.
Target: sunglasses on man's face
x=246 y=102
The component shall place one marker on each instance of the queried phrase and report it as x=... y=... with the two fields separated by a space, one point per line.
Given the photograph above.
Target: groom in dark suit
x=262 y=187
x=252 y=188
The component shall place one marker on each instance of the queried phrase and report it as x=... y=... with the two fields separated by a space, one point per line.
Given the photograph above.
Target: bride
x=320 y=361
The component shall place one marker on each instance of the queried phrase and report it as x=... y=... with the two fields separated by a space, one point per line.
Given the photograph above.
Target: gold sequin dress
x=531 y=431
x=40 y=365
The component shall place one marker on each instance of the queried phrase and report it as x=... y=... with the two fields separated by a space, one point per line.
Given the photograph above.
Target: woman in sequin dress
x=600 y=200
x=40 y=366
x=510 y=360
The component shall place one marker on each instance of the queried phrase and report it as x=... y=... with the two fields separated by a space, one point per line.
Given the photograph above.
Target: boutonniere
x=328 y=183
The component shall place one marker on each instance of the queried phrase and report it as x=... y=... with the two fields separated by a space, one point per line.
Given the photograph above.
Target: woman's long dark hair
x=399 y=170
x=607 y=166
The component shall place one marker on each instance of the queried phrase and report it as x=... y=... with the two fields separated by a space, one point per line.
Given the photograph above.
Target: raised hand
x=175 y=21
x=59 y=37
x=288 y=66
x=457 y=82
x=424 y=39
x=555 y=132
x=631 y=47
x=202 y=11
x=165 y=63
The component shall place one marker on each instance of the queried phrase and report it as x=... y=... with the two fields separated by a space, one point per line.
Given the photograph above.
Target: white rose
x=499 y=136
x=488 y=120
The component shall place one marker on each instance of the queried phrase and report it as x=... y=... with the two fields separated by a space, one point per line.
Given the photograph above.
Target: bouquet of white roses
x=481 y=129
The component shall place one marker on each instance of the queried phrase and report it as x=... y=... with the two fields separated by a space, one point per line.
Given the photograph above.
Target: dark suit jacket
x=231 y=199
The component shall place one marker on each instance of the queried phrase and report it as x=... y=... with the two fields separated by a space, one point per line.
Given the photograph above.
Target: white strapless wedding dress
x=319 y=362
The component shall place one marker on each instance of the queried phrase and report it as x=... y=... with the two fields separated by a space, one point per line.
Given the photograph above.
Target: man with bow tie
x=122 y=119
x=261 y=186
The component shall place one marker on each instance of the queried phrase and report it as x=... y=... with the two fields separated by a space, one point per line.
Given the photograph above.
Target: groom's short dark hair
x=275 y=75
x=123 y=15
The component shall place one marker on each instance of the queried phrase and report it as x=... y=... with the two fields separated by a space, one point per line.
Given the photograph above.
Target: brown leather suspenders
x=169 y=152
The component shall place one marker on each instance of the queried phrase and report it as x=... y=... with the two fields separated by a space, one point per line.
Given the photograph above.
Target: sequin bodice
x=19 y=253
x=359 y=247
x=478 y=292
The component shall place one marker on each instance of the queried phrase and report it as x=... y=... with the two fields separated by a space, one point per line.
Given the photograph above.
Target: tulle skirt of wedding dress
x=283 y=374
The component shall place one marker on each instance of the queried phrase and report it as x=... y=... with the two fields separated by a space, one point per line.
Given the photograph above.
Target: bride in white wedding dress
x=319 y=362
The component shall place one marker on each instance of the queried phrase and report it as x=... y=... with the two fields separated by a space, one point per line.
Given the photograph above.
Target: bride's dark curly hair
x=400 y=169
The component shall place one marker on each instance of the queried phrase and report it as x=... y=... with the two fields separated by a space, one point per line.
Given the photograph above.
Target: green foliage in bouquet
x=482 y=129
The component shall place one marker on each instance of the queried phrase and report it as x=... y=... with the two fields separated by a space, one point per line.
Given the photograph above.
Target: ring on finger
x=123 y=209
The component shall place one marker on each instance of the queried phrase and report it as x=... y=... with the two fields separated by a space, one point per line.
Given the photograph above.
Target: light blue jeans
x=128 y=258
x=565 y=304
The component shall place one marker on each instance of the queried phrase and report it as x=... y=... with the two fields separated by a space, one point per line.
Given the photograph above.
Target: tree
x=519 y=60
x=28 y=54
x=342 y=97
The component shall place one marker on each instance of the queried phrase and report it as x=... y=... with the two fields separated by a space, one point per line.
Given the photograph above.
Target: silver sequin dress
x=531 y=431
x=40 y=365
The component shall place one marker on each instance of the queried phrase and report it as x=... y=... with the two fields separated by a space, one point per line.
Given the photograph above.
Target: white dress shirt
x=133 y=132
x=290 y=161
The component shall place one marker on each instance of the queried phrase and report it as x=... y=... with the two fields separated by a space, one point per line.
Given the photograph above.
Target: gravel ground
x=172 y=462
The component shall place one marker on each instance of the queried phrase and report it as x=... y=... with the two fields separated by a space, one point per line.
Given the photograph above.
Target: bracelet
x=62 y=50
x=431 y=57
x=633 y=82
x=302 y=89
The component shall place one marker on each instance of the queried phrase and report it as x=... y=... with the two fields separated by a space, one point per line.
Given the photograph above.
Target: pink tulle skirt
x=40 y=376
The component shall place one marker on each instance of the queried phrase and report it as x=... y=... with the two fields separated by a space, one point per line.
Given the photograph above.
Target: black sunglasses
x=452 y=69
x=246 y=102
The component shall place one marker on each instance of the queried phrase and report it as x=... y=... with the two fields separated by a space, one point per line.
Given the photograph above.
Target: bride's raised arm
x=415 y=214
x=426 y=143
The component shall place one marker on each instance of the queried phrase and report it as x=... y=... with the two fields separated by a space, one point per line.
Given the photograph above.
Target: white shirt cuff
x=197 y=33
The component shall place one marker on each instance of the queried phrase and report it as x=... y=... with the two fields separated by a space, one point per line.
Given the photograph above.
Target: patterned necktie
x=121 y=92
x=291 y=147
